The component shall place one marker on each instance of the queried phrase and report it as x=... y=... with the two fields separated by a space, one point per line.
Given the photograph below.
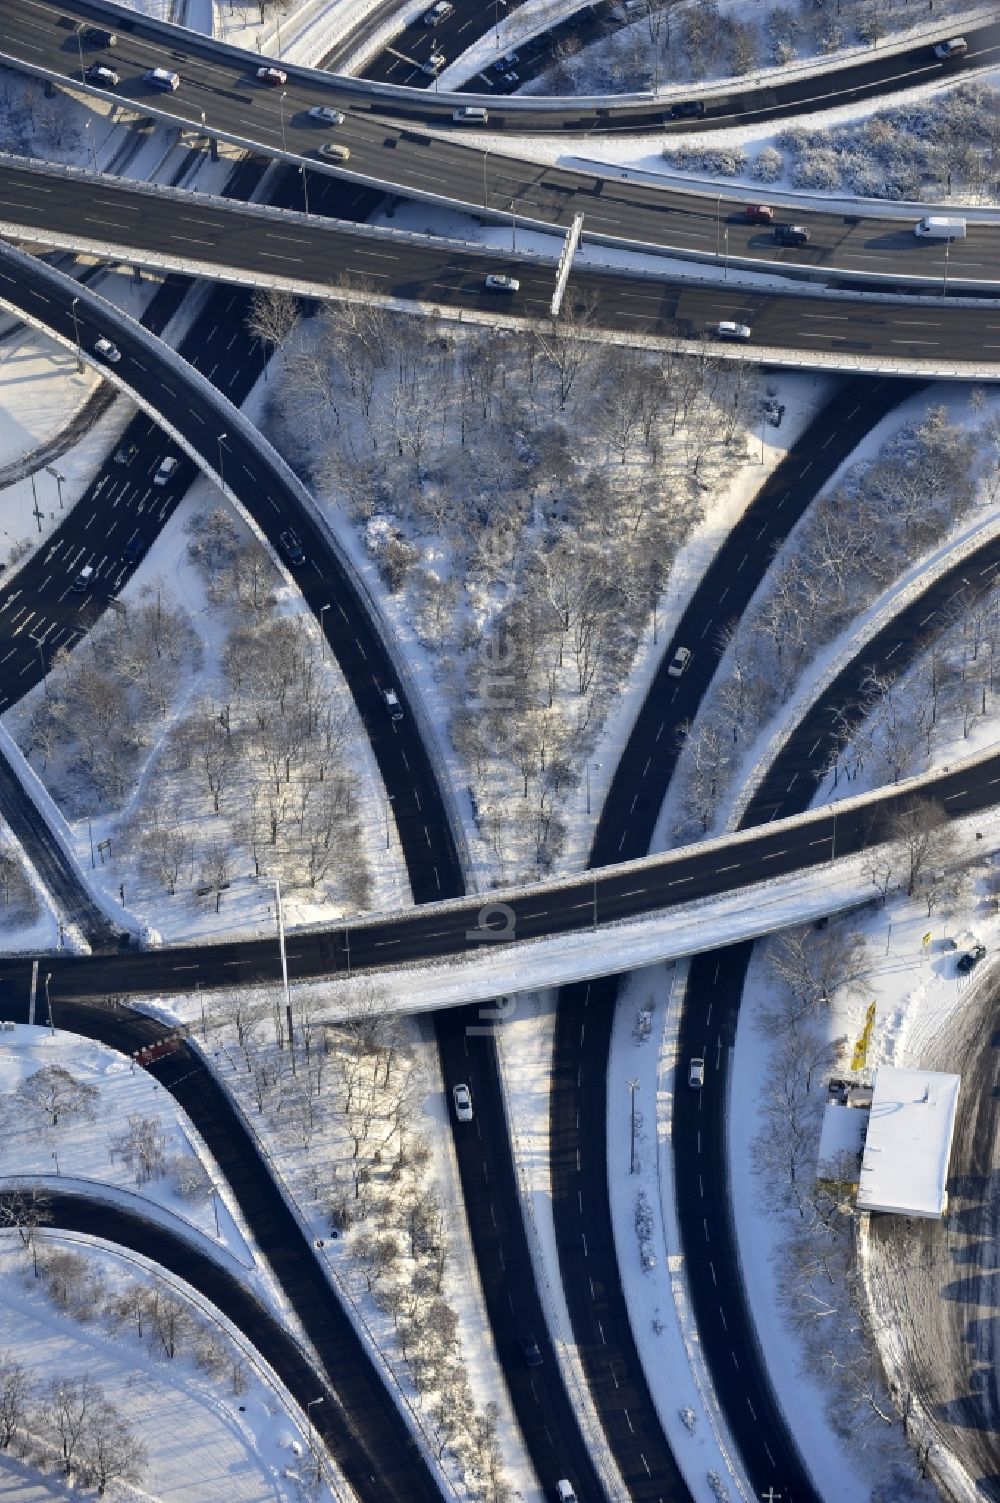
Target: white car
x=498 y=283
x=327 y=115
x=954 y=47
x=108 y=351
x=463 y=1103
x=434 y=64
x=165 y=469
x=335 y=151
x=730 y=330
x=680 y=662
x=392 y=704
x=272 y=76
x=696 y=1074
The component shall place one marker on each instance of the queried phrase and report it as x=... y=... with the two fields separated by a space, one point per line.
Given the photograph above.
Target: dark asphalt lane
x=544 y=1411
x=403 y=158
x=44 y=32
x=361 y=1422
x=228 y=234
x=584 y=1232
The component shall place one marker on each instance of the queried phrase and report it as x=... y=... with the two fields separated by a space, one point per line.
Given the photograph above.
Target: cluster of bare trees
x=852 y=543
x=103 y=701
x=344 y=1107
x=525 y=493
x=258 y=778
x=952 y=686
x=661 y=41
x=68 y=1425
x=818 y=1279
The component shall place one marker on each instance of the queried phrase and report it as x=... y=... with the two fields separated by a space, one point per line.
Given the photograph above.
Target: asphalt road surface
x=44 y=33
x=934 y=1282
x=361 y=1421
x=230 y=235
x=581 y=1208
x=544 y=1412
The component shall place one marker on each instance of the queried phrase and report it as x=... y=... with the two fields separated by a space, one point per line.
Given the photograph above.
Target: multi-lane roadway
x=255 y=243
x=43 y=33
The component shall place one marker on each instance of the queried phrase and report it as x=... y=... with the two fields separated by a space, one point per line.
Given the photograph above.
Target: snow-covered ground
x=78 y=1150
x=206 y=1440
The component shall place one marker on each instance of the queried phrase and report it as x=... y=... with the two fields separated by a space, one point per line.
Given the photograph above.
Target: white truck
x=940 y=227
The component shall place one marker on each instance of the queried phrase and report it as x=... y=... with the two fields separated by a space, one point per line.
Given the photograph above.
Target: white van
x=564 y=1491
x=471 y=114
x=163 y=79
x=940 y=227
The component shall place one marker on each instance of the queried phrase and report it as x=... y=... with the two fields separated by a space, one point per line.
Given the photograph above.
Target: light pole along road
x=38 y=33
x=220 y=236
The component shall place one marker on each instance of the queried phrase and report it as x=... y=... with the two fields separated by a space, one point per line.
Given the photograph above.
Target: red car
x=271 y=76
x=758 y=214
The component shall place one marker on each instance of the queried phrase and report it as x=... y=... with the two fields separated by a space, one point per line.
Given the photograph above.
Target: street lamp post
x=76 y=331
x=486 y=200
x=725 y=268
x=93 y=149
x=79 y=43
x=222 y=478
x=281 y=107
x=322 y=632
x=41 y=661
x=48 y=1002
x=60 y=481
x=633 y=1086
x=305 y=190
x=312 y=1433
x=944 y=288
x=513 y=225
x=597 y=768
x=718 y=224
x=388 y=801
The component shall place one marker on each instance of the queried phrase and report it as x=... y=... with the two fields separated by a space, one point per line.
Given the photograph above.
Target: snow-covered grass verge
x=153 y=737
x=114 y=1128
x=923 y=477
x=211 y=1420
x=517 y=505
x=355 y=1124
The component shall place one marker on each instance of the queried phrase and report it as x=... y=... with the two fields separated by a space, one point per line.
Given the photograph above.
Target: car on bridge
x=462 y=1098
x=791 y=234
x=730 y=330
x=438 y=13
x=758 y=214
x=954 y=47
x=334 y=151
x=107 y=351
x=102 y=75
x=326 y=114
x=125 y=453
x=272 y=76
x=696 y=1074
x=434 y=64
x=162 y=79
x=392 y=704
x=497 y=282
x=97 y=36
x=165 y=469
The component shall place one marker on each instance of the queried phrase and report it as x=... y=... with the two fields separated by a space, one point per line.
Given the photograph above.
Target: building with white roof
x=908 y=1143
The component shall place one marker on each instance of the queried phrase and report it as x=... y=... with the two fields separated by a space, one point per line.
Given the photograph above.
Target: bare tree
x=52 y=1096
x=142 y=1148
x=15 y=1392
x=922 y=840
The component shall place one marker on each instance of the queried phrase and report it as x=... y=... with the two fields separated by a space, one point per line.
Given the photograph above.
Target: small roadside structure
x=904 y=1169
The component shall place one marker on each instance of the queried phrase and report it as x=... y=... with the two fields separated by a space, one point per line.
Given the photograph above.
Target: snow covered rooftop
x=905 y=1165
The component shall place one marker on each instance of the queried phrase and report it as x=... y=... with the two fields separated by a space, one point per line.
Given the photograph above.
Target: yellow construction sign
x=860 y=1055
